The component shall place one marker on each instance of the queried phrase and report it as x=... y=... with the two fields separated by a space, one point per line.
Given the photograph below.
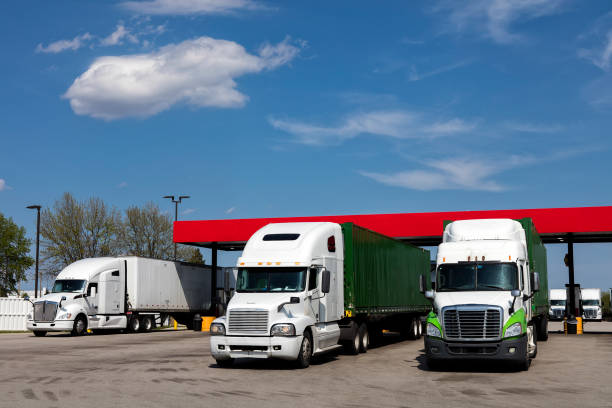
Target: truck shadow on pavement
x=466 y=366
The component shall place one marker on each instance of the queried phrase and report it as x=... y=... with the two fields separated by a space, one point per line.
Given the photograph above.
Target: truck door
x=313 y=291
x=91 y=300
x=110 y=296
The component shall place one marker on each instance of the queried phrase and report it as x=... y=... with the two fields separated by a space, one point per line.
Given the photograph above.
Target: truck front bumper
x=510 y=350
x=57 y=325
x=226 y=347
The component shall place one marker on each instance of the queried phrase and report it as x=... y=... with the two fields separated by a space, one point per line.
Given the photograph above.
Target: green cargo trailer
x=537 y=263
x=381 y=279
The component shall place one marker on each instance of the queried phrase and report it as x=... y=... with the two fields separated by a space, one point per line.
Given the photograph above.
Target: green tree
x=605 y=302
x=147 y=232
x=195 y=256
x=74 y=230
x=14 y=259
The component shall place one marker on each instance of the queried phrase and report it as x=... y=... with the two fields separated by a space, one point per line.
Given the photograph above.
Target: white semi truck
x=121 y=293
x=305 y=288
x=591 y=304
x=558 y=299
x=485 y=297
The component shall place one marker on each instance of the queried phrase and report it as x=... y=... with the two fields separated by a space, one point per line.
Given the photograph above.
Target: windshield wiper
x=493 y=286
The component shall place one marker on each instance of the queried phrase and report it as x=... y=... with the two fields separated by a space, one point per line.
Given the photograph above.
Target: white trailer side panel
x=156 y=285
x=13 y=312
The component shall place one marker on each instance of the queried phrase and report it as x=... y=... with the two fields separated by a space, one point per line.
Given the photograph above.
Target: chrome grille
x=590 y=313
x=472 y=323
x=248 y=321
x=558 y=313
x=45 y=311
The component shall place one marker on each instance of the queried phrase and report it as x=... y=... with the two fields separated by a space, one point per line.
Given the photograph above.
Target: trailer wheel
x=134 y=324
x=420 y=327
x=352 y=346
x=305 y=354
x=40 y=333
x=80 y=326
x=146 y=324
x=542 y=329
x=364 y=338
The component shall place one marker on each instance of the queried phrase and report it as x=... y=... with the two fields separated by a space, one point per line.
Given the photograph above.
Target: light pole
x=176 y=203
x=37 y=208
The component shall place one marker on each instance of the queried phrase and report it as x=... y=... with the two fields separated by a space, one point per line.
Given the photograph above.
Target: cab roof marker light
x=443 y=259
x=268 y=263
x=278 y=263
x=259 y=263
x=297 y=263
x=241 y=263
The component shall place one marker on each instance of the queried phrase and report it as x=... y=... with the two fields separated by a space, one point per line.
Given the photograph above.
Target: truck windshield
x=590 y=302
x=554 y=302
x=68 y=285
x=477 y=276
x=271 y=280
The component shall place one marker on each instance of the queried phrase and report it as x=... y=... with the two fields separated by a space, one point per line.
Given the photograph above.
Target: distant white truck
x=591 y=304
x=121 y=293
x=558 y=299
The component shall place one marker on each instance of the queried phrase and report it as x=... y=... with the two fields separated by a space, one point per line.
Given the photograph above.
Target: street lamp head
x=170 y=197
x=34 y=207
x=181 y=197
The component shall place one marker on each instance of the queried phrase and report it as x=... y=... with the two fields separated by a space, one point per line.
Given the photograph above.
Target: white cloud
x=123 y=184
x=188 y=211
x=199 y=72
x=415 y=76
x=494 y=18
x=188 y=7
x=63 y=45
x=117 y=36
x=398 y=124
x=451 y=174
x=3 y=185
x=230 y=210
x=597 y=43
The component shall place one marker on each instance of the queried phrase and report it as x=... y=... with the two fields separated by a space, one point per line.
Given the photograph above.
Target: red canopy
x=582 y=224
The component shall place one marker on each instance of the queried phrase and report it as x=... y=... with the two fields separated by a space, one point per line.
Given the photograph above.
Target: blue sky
x=263 y=108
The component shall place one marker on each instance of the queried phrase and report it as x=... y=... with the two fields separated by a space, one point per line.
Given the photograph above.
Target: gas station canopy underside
x=555 y=225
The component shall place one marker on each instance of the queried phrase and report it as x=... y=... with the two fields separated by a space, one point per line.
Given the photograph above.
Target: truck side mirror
x=325 y=281
x=422 y=285
x=226 y=280
x=294 y=300
x=536 y=282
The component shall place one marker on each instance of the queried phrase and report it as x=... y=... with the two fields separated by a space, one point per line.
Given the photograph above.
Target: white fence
x=13 y=313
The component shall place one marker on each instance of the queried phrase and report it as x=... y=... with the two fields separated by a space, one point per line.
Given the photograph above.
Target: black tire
x=40 y=333
x=305 y=354
x=80 y=326
x=419 y=327
x=543 y=329
x=413 y=329
x=146 y=324
x=352 y=346
x=133 y=324
x=364 y=338
x=534 y=330
x=525 y=362
x=225 y=363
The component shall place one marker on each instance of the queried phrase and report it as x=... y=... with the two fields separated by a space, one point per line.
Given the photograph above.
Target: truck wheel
x=80 y=326
x=352 y=346
x=40 y=333
x=134 y=324
x=305 y=354
x=420 y=327
x=533 y=350
x=543 y=329
x=225 y=363
x=413 y=329
x=364 y=338
x=146 y=324
x=525 y=362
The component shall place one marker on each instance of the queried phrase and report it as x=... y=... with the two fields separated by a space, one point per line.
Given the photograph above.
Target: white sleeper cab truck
x=591 y=304
x=305 y=288
x=121 y=293
x=490 y=297
x=558 y=298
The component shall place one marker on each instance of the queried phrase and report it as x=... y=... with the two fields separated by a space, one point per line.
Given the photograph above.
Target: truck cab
x=88 y=294
x=558 y=299
x=483 y=294
x=289 y=295
x=591 y=304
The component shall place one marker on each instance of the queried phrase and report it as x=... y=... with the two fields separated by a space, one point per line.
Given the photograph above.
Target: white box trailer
x=121 y=293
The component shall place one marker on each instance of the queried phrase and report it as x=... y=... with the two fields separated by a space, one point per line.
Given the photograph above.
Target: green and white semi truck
x=490 y=295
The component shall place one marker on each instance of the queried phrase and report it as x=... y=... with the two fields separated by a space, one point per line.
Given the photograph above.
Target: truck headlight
x=514 y=330
x=64 y=316
x=433 y=331
x=282 y=329
x=217 y=329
